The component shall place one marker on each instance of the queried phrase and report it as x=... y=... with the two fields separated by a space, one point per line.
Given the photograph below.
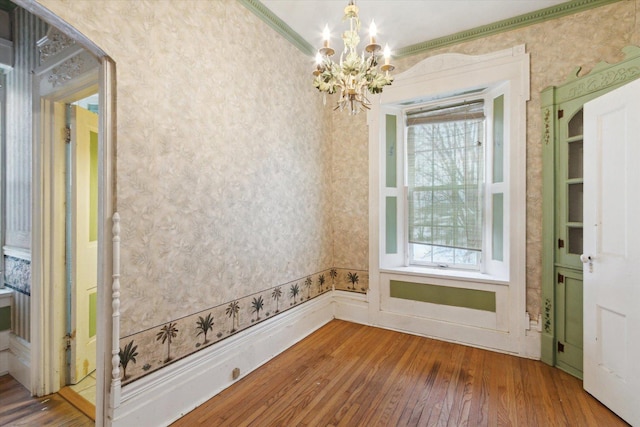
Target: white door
x=612 y=250
x=84 y=211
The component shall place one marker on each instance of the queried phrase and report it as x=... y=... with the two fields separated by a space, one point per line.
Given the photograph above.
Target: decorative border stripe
x=144 y=352
x=520 y=21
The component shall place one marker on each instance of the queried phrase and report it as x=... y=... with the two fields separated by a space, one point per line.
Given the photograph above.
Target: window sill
x=467 y=276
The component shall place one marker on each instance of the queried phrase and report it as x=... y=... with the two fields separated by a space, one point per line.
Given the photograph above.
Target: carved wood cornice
x=53 y=43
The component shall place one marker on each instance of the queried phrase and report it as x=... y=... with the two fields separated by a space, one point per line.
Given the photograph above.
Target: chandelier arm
x=354 y=75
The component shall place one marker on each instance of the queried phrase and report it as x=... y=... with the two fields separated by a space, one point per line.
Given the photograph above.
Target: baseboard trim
x=20 y=360
x=351 y=306
x=164 y=396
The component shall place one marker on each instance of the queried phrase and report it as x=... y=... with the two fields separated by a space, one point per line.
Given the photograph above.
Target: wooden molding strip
x=79 y=402
x=520 y=21
x=510 y=24
x=278 y=25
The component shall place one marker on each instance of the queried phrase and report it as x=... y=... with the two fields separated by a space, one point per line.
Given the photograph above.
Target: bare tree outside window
x=445 y=156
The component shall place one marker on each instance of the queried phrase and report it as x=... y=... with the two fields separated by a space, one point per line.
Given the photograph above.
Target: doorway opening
x=71 y=324
x=81 y=235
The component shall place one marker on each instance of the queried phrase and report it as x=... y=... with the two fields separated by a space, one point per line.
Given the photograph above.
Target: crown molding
x=510 y=24
x=520 y=21
x=278 y=25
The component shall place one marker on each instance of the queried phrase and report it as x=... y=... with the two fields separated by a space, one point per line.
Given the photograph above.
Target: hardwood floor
x=18 y=408
x=347 y=374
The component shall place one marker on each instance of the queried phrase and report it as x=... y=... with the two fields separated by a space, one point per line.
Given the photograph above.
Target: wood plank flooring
x=347 y=374
x=18 y=408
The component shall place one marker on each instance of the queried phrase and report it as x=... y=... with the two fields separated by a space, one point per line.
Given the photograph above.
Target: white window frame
x=443 y=77
x=487 y=99
x=502 y=72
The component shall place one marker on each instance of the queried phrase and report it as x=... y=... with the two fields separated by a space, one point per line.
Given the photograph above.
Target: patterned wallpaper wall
x=556 y=48
x=233 y=179
x=223 y=154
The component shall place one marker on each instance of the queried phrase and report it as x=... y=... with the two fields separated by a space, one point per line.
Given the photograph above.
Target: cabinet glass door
x=570 y=190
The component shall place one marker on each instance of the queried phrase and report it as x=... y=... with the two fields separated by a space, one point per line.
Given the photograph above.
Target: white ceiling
x=400 y=23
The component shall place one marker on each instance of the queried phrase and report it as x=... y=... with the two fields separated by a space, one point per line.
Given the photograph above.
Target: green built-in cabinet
x=562 y=156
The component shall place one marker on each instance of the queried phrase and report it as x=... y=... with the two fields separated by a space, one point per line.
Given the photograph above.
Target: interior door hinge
x=560 y=114
x=67 y=134
x=560 y=278
x=560 y=243
x=560 y=347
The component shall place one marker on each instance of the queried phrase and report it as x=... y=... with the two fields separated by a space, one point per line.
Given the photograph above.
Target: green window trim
x=391 y=237
x=391 y=151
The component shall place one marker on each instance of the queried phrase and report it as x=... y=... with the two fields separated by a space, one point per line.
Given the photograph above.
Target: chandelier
x=355 y=74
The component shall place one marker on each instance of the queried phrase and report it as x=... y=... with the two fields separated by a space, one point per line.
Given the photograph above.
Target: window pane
x=443 y=256
x=445 y=176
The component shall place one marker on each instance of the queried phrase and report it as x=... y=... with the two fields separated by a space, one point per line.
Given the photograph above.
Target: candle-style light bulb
x=373 y=31
x=318 y=58
x=387 y=54
x=326 y=35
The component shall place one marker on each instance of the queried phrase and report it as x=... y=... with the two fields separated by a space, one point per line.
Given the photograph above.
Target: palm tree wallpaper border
x=147 y=351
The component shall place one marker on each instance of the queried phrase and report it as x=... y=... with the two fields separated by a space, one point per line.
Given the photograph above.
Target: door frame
x=43 y=372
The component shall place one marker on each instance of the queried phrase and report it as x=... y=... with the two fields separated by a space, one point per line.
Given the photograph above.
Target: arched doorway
x=47 y=344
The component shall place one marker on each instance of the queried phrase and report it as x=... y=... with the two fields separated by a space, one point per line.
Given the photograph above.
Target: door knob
x=586 y=258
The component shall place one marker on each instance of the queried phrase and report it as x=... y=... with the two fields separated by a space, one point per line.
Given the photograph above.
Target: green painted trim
x=278 y=25
x=444 y=295
x=569 y=96
x=498 y=139
x=510 y=24
x=547 y=345
x=549 y=112
x=5 y=318
x=569 y=369
x=497 y=227
x=602 y=78
x=391 y=214
x=390 y=136
x=93 y=313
